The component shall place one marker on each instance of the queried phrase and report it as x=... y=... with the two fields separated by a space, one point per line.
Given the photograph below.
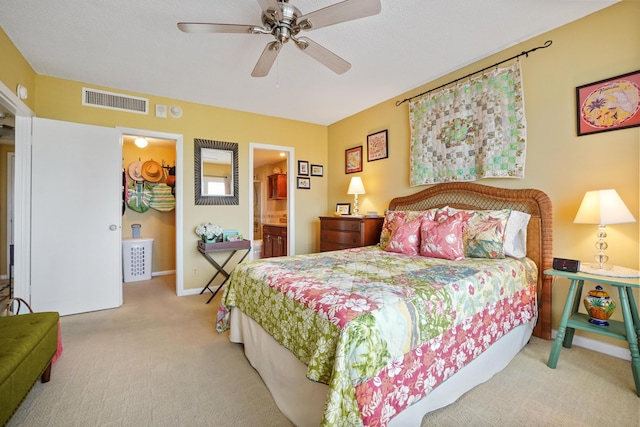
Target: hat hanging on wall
x=152 y=171
x=135 y=171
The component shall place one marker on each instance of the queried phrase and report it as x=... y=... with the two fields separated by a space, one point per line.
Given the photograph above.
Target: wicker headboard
x=465 y=195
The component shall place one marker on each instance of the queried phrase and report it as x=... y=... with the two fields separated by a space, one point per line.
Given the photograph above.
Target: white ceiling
x=135 y=45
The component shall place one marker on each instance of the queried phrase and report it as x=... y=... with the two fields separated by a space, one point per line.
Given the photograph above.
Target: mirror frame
x=200 y=199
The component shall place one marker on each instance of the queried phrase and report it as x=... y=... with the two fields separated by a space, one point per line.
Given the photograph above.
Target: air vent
x=114 y=101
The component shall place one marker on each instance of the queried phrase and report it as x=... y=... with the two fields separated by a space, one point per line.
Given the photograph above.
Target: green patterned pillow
x=485 y=231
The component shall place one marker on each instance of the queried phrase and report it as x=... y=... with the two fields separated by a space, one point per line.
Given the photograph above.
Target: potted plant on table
x=209 y=232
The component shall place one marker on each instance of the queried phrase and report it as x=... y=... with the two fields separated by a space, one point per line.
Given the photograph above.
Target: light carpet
x=158 y=361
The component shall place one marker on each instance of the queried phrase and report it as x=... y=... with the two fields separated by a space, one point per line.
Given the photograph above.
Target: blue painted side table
x=628 y=329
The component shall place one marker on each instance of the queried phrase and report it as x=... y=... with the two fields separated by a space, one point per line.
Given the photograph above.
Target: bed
x=369 y=336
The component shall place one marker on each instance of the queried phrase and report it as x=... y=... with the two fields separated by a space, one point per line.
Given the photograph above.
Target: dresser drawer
x=341 y=225
x=351 y=239
x=344 y=233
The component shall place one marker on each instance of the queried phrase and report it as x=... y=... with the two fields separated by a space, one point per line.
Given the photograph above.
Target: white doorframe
x=179 y=196
x=291 y=237
x=22 y=191
x=11 y=176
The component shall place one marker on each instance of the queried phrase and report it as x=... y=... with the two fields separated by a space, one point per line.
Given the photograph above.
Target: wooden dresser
x=348 y=232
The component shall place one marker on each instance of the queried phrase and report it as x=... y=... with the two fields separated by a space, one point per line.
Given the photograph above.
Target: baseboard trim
x=194 y=291
x=162 y=273
x=598 y=346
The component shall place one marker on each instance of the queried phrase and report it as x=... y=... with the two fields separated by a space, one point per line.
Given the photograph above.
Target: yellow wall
x=558 y=162
x=599 y=46
x=14 y=69
x=60 y=100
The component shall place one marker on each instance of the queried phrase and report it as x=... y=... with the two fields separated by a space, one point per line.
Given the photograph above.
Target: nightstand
x=344 y=232
x=232 y=247
x=628 y=329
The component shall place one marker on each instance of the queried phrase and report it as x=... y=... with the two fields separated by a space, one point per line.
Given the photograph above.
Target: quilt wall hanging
x=474 y=129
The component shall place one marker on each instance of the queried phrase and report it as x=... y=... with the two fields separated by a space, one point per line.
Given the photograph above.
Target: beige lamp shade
x=603 y=207
x=356 y=186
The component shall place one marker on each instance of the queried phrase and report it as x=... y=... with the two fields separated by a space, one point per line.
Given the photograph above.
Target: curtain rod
x=525 y=53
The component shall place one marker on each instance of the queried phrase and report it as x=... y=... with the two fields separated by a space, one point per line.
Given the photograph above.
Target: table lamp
x=355 y=187
x=602 y=207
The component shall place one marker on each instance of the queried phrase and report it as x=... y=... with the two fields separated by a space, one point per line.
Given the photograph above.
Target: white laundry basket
x=136 y=259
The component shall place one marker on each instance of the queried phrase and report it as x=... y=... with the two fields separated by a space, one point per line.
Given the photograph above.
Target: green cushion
x=27 y=344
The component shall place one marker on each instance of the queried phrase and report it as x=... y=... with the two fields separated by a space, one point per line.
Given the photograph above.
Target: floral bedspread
x=381 y=329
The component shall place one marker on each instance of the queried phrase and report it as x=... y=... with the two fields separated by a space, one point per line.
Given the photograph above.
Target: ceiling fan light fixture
x=284 y=22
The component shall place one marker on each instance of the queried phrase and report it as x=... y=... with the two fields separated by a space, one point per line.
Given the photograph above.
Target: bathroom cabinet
x=274 y=241
x=278 y=186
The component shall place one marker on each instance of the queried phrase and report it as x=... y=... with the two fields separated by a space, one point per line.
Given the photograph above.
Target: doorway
x=7 y=124
x=266 y=160
x=21 y=189
x=167 y=242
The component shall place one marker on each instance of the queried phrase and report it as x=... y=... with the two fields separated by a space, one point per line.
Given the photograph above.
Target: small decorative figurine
x=599 y=306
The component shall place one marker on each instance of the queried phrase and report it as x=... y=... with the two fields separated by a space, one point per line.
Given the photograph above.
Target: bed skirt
x=302 y=400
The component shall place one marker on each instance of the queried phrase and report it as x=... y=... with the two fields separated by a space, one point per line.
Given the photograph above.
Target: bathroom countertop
x=275 y=224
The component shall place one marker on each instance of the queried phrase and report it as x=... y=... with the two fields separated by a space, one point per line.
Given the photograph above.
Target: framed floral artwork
x=609 y=104
x=377 y=146
x=353 y=160
x=317 y=170
x=303 y=167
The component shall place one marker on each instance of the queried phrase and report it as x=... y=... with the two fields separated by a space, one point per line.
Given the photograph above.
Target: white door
x=76 y=217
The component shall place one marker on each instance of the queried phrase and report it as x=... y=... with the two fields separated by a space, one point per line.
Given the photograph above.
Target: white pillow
x=515 y=235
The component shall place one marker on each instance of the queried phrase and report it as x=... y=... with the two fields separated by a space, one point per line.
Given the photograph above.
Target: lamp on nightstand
x=355 y=187
x=602 y=207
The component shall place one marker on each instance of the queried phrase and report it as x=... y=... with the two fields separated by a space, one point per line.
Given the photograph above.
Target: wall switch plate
x=563 y=264
x=161 y=111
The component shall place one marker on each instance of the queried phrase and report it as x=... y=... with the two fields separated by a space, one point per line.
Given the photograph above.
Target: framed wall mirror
x=216 y=172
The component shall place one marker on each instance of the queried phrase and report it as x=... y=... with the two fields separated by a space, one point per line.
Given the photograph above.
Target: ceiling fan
x=285 y=22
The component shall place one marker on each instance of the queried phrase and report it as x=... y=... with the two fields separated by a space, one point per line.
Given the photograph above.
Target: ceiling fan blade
x=204 y=27
x=347 y=10
x=266 y=60
x=323 y=55
x=271 y=8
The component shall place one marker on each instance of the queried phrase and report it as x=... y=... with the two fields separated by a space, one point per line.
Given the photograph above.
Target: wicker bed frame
x=477 y=196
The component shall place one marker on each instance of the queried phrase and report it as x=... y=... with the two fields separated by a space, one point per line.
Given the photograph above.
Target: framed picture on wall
x=353 y=160
x=609 y=104
x=317 y=170
x=303 y=168
x=377 y=146
x=304 y=183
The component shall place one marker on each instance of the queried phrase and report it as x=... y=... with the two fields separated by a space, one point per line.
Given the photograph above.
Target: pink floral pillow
x=404 y=237
x=407 y=216
x=443 y=239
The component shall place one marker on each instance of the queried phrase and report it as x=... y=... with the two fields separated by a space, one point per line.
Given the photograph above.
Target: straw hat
x=135 y=171
x=151 y=171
